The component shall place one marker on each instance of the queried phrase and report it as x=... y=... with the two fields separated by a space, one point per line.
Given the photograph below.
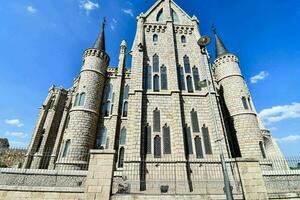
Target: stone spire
x=100 y=42
x=219 y=45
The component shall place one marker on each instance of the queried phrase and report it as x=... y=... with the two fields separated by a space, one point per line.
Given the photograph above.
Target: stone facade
x=156 y=116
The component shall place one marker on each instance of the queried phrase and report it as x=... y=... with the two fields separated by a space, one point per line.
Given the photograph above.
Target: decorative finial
x=213 y=28
x=103 y=23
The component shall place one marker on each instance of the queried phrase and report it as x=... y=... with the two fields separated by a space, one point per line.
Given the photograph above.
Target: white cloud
x=280 y=113
x=114 y=20
x=128 y=12
x=16 y=134
x=261 y=76
x=129 y=3
x=88 y=5
x=17 y=144
x=113 y=23
x=14 y=122
x=288 y=139
x=31 y=9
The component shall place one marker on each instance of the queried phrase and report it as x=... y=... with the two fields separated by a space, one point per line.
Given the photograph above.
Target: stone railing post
x=100 y=175
x=252 y=179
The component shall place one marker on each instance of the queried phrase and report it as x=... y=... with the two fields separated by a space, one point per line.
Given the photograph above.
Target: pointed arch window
x=157 y=147
x=123 y=136
x=107 y=108
x=155 y=38
x=125 y=109
x=82 y=99
x=164 y=78
x=206 y=138
x=160 y=16
x=126 y=92
x=147 y=139
x=182 y=82
x=262 y=149
x=66 y=148
x=196 y=78
x=245 y=104
x=187 y=66
x=188 y=140
x=194 y=118
x=156 y=83
x=101 y=138
x=198 y=145
x=155 y=63
x=156 y=120
x=108 y=100
x=167 y=139
x=76 y=100
x=121 y=157
x=109 y=91
x=148 y=78
x=189 y=83
x=183 y=39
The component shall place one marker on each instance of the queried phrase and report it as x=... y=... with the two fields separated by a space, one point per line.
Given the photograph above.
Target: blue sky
x=41 y=43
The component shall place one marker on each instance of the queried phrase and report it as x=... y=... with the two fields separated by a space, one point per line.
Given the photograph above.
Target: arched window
x=125 y=109
x=198 y=145
x=183 y=39
x=182 y=82
x=155 y=63
x=148 y=78
x=155 y=38
x=262 y=149
x=250 y=103
x=164 y=79
x=109 y=91
x=245 y=104
x=189 y=83
x=188 y=140
x=160 y=16
x=194 y=118
x=123 y=136
x=196 y=78
x=66 y=148
x=167 y=139
x=108 y=100
x=101 y=138
x=175 y=16
x=187 y=66
x=156 y=120
x=121 y=157
x=67 y=122
x=157 y=147
x=156 y=83
x=40 y=140
x=126 y=92
x=76 y=100
x=107 y=108
x=206 y=138
x=82 y=99
x=147 y=139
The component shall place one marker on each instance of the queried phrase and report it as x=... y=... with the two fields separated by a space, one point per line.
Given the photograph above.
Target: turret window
x=206 y=138
x=167 y=139
x=262 y=149
x=194 y=118
x=101 y=138
x=155 y=38
x=76 y=100
x=81 y=99
x=164 y=80
x=186 y=61
x=157 y=147
x=156 y=83
x=156 y=120
x=245 y=104
x=155 y=63
x=196 y=78
x=198 y=145
x=66 y=148
x=189 y=83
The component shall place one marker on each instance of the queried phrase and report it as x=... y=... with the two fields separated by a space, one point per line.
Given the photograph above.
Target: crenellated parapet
x=96 y=52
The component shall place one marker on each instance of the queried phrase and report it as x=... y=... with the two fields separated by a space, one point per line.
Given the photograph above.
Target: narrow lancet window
x=155 y=38
x=196 y=78
x=157 y=147
x=121 y=157
x=194 y=118
x=156 y=83
x=123 y=136
x=155 y=63
x=188 y=140
x=198 y=145
x=189 y=83
x=148 y=78
x=156 y=120
x=101 y=138
x=164 y=79
x=245 y=104
x=262 y=149
x=187 y=66
x=206 y=138
x=183 y=39
x=82 y=99
x=167 y=139
x=182 y=81
x=147 y=139
x=66 y=148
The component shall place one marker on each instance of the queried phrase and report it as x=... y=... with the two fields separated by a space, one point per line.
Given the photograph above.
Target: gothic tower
x=80 y=135
x=240 y=115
